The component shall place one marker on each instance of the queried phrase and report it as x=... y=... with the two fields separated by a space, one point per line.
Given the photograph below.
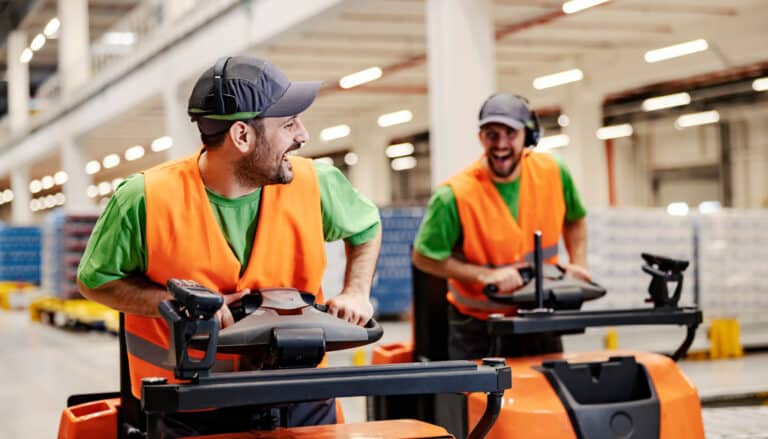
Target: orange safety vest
x=184 y=241
x=492 y=237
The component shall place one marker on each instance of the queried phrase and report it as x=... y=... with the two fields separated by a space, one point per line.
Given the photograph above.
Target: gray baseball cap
x=250 y=88
x=508 y=109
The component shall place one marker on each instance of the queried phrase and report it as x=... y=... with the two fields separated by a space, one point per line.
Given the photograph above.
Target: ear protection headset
x=532 y=125
x=223 y=103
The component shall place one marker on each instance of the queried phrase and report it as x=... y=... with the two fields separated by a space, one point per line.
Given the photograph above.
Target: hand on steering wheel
x=224 y=315
x=355 y=308
x=507 y=279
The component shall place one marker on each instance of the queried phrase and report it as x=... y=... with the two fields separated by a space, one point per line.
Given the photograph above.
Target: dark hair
x=215 y=140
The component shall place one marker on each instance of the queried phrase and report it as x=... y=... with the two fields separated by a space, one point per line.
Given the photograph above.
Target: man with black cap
x=238 y=215
x=479 y=225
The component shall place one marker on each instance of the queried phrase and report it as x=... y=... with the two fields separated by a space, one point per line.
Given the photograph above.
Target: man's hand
x=355 y=308
x=578 y=272
x=507 y=279
x=224 y=315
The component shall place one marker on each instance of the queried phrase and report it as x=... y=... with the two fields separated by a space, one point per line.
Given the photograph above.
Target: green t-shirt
x=117 y=247
x=440 y=229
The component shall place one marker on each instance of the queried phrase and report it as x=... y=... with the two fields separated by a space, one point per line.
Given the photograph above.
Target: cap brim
x=295 y=100
x=508 y=121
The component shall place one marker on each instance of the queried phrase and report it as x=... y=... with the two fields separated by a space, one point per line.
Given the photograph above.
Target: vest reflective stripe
x=184 y=240
x=481 y=304
x=492 y=236
x=161 y=357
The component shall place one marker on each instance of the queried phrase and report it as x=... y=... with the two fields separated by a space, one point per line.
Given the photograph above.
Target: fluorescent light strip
x=403 y=163
x=110 y=161
x=614 y=131
x=335 y=132
x=559 y=78
x=679 y=208
x=572 y=6
x=162 y=143
x=676 y=50
x=396 y=118
x=60 y=178
x=695 y=119
x=52 y=27
x=35 y=186
x=134 y=153
x=37 y=43
x=551 y=142
x=26 y=55
x=92 y=167
x=47 y=182
x=399 y=150
x=667 y=101
x=760 y=84
x=361 y=77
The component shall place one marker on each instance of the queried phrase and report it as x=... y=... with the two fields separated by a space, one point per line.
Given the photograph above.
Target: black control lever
x=663 y=270
x=195 y=300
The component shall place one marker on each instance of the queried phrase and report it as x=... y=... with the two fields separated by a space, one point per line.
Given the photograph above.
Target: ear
x=238 y=134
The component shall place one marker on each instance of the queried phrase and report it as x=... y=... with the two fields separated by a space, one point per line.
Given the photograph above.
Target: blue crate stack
x=76 y=231
x=20 y=254
x=392 y=289
x=53 y=253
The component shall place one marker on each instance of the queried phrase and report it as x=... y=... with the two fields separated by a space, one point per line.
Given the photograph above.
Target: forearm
x=133 y=295
x=575 y=237
x=361 y=265
x=450 y=268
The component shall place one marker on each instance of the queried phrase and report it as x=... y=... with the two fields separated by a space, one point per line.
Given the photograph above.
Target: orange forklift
x=584 y=395
x=284 y=334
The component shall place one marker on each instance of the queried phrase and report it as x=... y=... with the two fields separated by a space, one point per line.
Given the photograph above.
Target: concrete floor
x=40 y=366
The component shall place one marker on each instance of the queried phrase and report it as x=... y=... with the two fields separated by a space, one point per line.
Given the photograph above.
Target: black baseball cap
x=250 y=88
x=508 y=109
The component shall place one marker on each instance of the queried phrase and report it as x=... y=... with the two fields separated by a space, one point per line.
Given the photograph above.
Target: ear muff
x=532 y=125
x=224 y=103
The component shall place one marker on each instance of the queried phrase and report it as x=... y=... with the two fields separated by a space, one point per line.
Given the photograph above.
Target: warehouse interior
x=658 y=108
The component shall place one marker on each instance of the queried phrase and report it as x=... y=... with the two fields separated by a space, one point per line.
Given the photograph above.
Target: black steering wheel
x=267 y=314
x=559 y=291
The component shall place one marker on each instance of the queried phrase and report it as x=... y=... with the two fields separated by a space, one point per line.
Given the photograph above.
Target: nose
x=302 y=135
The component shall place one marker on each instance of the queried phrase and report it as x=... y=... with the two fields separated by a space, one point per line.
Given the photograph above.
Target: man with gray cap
x=479 y=225
x=238 y=215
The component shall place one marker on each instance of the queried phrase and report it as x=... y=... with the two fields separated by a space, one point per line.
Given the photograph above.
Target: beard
x=503 y=169
x=258 y=169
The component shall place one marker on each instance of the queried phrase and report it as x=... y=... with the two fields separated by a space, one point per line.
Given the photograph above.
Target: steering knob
x=491 y=289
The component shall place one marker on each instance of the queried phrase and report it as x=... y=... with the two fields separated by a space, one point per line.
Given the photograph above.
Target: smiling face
x=503 y=148
x=267 y=162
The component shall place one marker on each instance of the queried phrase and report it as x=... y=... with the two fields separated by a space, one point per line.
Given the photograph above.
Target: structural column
x=186 y=137
x=20 y=212
x=74 y=45
x=585 y=154
x=462 y=74
x=73 y=160
x=18 y=83
x=371 y=174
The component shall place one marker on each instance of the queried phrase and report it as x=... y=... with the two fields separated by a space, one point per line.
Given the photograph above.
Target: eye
x=290 y=125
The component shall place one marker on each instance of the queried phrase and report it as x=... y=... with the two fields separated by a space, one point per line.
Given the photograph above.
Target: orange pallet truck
x=287 y=335
x=594 y=395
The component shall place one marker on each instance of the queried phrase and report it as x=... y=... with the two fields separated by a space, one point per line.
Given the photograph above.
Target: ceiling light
x=111 y=161
x=572 y=6
x=399 y=150
x=614 y=131
x=37 y=43
x=678 y=208
x=681 y=49
x=361 y=77
x=92 y=167
x=92 y=191
x=709 y=207
x=26 y=55
x=134 y=153
x=351 y=159
x=403 y=163
x=162 y=143
x=335 y=132
x=551 y=142
x=8 y=195
x=326 y=160
x=667 y=101
x=52 y=27
x=60 y=178
x=760 y=84
x=694 y=119
x=59 y=199
x=35 y=186
x=105 y=188
x=116 y=182
x=398 y=117
x=35 y=205
x=563 y=120
x=559 y=78
x=47 y=182
x=119 y=38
